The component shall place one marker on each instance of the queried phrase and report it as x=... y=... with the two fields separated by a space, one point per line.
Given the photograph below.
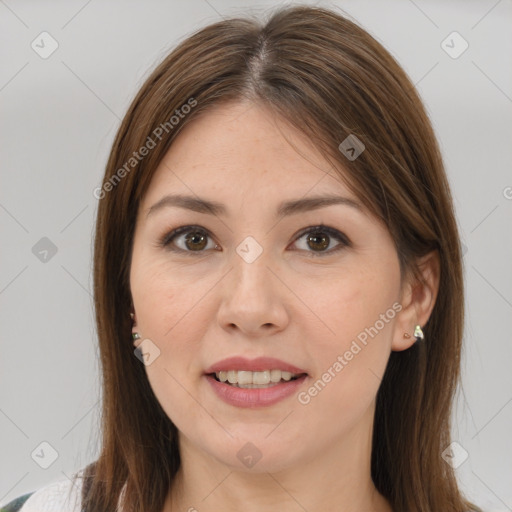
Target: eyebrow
x=286 y=208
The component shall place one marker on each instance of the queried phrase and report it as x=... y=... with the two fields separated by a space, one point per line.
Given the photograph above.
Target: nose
x=253 y=299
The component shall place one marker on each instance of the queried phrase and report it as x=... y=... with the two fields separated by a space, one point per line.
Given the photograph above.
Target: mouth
x=255 y=380
x=254 y=383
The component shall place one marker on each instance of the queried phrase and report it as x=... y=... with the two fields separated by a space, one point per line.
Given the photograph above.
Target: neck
x=337 y=479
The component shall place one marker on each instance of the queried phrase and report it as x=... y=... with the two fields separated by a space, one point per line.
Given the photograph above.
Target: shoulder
x=59 y=496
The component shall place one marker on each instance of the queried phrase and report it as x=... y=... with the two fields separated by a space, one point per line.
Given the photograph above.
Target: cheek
x=346 y=306
x=172 y=315
x=352 y=346
x=173 y=311
x=168 y=300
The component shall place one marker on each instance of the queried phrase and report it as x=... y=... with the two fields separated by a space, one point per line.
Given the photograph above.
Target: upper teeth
x=246 y=377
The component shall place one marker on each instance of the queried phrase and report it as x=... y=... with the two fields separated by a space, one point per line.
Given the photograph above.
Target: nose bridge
x=250 y=262
x=251 y=297
x=250 y=250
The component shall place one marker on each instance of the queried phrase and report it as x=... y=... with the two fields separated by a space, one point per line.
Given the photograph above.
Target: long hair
x=330 y=79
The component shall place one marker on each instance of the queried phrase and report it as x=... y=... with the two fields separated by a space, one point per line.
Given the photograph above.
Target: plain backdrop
x=58 y=120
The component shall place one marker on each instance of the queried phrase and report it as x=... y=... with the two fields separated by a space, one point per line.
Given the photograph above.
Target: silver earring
x=418 y=333
x=135 y=336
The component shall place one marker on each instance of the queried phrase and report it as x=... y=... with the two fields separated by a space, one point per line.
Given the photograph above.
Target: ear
x=418 y=297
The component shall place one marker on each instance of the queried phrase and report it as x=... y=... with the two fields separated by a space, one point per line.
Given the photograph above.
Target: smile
x=248 y=380
x=258 y=382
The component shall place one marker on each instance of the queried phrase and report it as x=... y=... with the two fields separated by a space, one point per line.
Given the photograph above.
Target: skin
x=199 y=308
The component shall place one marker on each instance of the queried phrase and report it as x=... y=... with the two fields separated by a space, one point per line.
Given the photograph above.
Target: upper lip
x=253 y=365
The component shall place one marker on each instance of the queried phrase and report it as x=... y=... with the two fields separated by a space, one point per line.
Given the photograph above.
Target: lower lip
x=254 y=397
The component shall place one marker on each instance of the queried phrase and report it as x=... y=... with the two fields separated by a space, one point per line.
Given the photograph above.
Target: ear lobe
x=135 y=334
x=417 y=301
x=136 y=338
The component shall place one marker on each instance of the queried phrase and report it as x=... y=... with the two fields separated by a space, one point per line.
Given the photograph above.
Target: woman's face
x=252 y=281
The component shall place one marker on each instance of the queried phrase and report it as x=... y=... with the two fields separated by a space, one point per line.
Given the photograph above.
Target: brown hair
x=330 y=79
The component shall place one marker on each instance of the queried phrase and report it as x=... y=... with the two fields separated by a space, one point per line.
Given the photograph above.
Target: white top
x=63 y=496
x=58 y=496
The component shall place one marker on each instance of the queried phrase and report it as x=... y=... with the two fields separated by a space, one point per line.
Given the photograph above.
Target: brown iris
x=196 y=237
x=319 y=241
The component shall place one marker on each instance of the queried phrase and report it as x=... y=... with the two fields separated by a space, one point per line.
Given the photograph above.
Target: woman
x=278 y=283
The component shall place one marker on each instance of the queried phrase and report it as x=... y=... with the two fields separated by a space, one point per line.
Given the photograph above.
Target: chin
x=258 y=455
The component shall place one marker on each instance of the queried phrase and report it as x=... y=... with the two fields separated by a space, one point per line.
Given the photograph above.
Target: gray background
x=59 y=116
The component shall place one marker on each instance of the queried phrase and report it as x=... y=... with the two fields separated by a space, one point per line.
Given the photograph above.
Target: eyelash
x=165 y=242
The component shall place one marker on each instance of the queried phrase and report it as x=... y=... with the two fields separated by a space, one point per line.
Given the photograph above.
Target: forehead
x=243 y=148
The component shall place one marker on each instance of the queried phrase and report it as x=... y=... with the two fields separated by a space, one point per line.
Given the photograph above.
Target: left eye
x=318 y=238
